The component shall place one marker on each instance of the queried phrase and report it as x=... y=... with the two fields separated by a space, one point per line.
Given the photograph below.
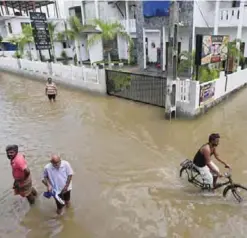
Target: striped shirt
x=51 y=88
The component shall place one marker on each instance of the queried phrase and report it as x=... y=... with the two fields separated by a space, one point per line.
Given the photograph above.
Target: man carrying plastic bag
x=57 y=178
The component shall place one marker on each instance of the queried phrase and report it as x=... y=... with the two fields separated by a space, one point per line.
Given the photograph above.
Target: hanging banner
x=207 y=92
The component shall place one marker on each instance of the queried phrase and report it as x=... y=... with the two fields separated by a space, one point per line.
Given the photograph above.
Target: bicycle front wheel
x=238 y=191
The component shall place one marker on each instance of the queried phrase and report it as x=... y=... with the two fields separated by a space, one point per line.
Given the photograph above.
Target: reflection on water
x=126 y=159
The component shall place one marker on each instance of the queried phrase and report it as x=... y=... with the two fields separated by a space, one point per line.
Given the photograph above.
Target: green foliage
x=74 y=33
x=65 y=57
x=206 y=73
x=21 y=40
x=235 y=55
x=109 y=32
x=121 y=81
x=17 y=55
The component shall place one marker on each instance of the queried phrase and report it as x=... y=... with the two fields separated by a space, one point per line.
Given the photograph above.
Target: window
x=65 y=45
x=75 y=11
x=10 y=28
x=23 y=24
x=235 y=3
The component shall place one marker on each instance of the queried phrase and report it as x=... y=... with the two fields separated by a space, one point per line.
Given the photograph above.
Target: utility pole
x=172 y=60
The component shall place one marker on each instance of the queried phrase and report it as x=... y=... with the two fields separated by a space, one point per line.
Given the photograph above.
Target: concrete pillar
x=216 y=17
x=164 y=49
x=82 y=13
x=96 y=9
x=144 y=49
x=127 y=16
x=241 y=18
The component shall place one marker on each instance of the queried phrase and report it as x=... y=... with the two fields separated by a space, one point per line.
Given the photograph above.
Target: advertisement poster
x=214 y=49
x=207 y=92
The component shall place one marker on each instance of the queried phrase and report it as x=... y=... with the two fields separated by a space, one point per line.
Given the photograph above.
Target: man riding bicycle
x=203 y=162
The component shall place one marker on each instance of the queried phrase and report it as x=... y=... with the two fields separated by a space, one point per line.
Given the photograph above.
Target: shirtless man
x=203 y=162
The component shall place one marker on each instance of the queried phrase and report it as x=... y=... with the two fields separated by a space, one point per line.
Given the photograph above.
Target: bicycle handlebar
x=228 y=173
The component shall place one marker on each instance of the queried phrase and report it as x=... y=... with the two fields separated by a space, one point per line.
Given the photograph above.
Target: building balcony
x=132 y=25
x=229 y=17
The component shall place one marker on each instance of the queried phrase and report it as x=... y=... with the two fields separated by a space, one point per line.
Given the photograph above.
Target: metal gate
x=137 y=87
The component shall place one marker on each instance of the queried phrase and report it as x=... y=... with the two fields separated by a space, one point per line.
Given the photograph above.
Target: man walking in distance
x=57 y=178
x=22 y=178
x=51 y=90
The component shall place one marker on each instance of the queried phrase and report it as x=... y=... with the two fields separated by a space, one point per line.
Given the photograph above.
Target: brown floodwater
x=126 y=160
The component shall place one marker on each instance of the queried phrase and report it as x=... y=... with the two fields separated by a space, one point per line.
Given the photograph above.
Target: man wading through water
x=203 y=162
x=23 y=182
x=58 y=179
x=51 y=90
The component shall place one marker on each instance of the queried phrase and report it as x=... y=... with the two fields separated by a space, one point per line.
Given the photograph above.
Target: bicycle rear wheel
x=239 y=192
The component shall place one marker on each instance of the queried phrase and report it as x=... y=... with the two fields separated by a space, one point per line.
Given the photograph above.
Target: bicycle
x=194 y=178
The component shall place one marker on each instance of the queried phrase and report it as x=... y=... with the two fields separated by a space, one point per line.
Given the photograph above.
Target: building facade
x=148 y=30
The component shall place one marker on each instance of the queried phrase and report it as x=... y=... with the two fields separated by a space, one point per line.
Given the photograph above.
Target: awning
x=25 y=5
x=90 y=29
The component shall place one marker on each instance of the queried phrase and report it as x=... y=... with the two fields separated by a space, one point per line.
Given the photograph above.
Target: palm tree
x=21 y=40
x=52 y=27
x=109 y=32
x=27 y=38
x=18 y=41
x=74 y=33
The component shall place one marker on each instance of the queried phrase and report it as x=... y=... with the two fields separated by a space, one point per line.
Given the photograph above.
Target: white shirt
x=58 y=176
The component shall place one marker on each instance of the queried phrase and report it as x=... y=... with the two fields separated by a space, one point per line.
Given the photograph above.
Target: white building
x=150 y=34
x=197 y=17
x=222 y=18
x=15 y=14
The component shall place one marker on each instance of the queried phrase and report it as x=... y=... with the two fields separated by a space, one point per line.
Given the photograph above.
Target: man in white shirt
x=57 y=178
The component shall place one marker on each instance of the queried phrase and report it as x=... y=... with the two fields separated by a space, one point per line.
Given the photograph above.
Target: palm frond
x=126 y=36
x=94 y=39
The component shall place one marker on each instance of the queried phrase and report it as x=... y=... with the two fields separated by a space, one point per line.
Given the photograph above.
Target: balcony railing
x=132 y=25
x=230 y=17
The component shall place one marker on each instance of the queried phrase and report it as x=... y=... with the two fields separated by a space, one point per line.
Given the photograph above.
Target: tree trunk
x=53 y=52
x=76 y=51
x=79 y=52
x=30 y=51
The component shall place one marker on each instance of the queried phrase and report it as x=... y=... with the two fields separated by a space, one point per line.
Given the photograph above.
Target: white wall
x=188 y=91
x=84 y=49
x=3 y=30
x=204 y=13
x=16 y=25
x=183 y=37
x=92 y=79
x=95 y=51
x=109 y=11
x=122 y=48
x=89 y=11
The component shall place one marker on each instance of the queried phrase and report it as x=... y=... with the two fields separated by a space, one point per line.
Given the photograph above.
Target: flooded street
x=126 y=160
